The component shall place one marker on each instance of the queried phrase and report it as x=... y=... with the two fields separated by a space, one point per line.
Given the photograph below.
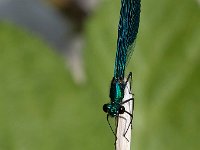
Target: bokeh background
x=43 y=106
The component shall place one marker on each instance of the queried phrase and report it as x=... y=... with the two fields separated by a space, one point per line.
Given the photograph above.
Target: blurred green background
x=41 y=108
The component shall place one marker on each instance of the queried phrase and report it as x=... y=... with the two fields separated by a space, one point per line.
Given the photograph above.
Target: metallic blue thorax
x=117 y=90
x=116 y=96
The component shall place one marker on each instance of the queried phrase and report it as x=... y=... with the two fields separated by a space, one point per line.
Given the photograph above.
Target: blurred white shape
x=74 y=59
x=88 y=5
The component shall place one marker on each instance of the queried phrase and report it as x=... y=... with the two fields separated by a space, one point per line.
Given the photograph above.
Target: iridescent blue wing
x=127 y=33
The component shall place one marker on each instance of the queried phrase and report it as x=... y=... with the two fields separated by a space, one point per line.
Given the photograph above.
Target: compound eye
x=121 y=109
x=105 y=108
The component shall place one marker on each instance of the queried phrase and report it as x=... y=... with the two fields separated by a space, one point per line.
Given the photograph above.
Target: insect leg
x=131 y=115
x=129 y=78
x=130 y=124
x=111 y=126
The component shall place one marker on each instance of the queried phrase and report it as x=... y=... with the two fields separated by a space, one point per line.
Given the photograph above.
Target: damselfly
x=127 y=33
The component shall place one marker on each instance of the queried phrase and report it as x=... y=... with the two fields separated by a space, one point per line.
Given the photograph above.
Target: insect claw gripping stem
x=130 y=124
x=130 y=76
x=131 y=115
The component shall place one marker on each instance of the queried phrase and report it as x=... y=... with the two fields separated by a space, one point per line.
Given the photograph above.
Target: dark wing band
x=127 y=33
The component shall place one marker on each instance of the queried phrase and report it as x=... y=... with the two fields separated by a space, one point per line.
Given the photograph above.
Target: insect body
x=127 y=33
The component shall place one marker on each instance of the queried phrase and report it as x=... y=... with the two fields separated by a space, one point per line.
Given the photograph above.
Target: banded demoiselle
x=127 y=33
